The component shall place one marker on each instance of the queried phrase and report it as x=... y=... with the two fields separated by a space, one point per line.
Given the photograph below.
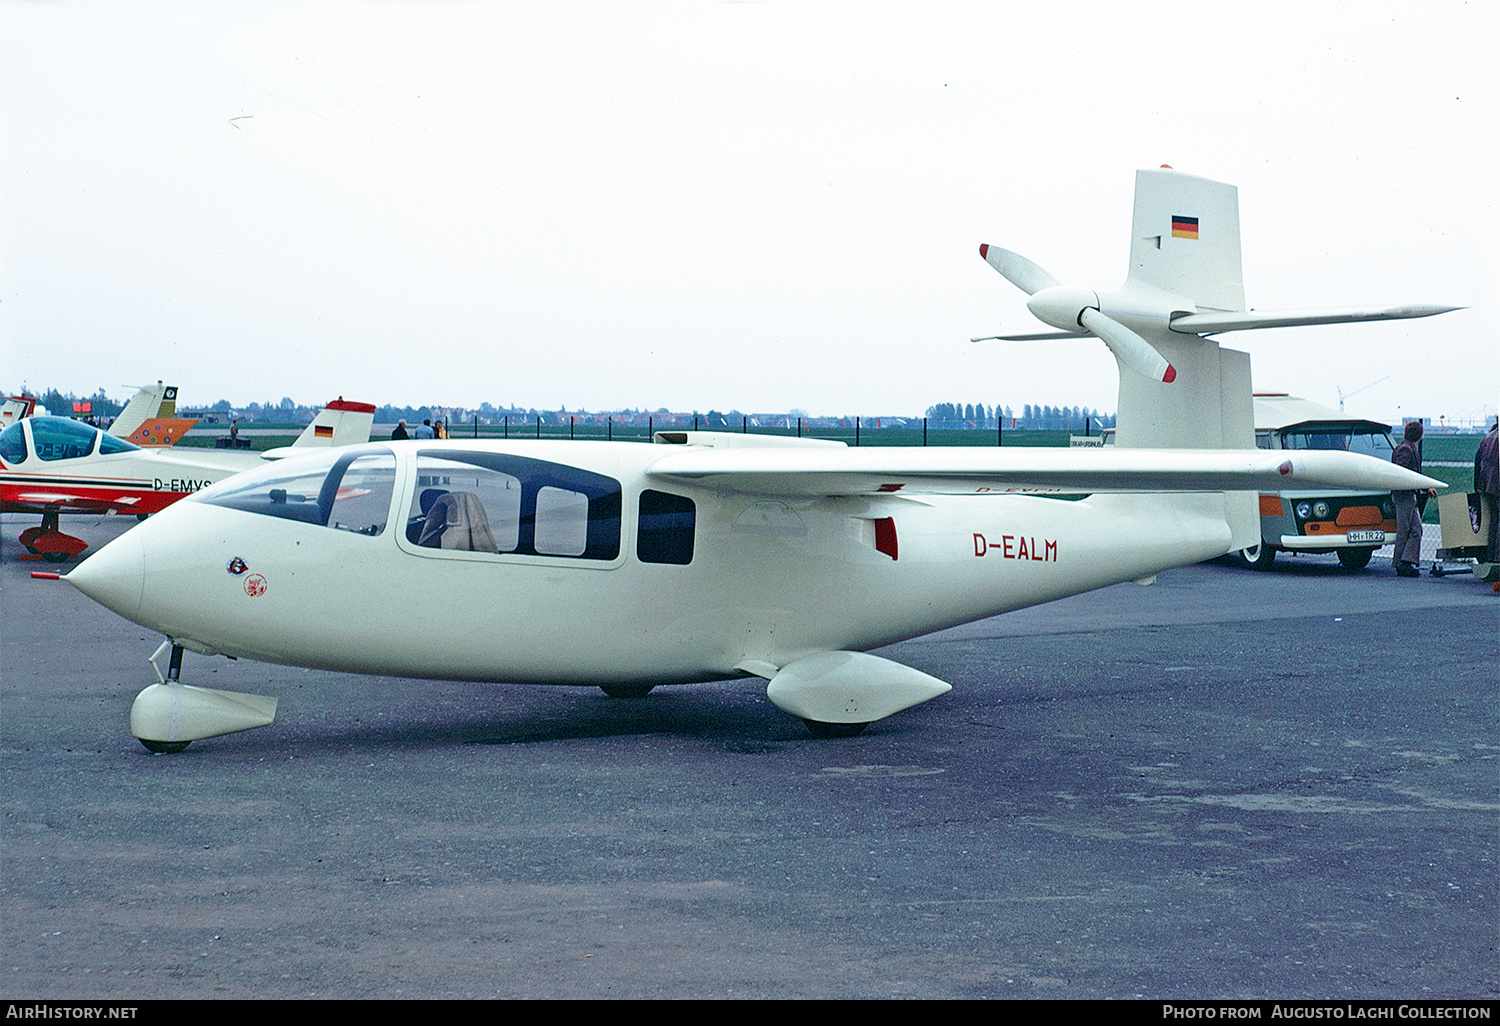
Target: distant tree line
x=101 y=406
x=948 y=415
x=1034 y=418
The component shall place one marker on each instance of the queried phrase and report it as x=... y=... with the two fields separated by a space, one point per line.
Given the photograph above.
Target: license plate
x=1366 y=536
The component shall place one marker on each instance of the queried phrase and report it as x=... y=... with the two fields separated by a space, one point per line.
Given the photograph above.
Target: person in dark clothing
x=1408 y=550
x=400 y=433
x=1487 y=484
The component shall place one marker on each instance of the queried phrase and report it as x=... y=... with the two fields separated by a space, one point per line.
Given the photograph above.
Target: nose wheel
x=170 y=715
x=47 y=541
x=174 y=672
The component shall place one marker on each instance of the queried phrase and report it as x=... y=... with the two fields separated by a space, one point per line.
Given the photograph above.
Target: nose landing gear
x=168 y=716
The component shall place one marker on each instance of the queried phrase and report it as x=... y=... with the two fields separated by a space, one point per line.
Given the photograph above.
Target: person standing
x=1487 y=484
x=400 y=433
x=1408 y=550
x=425 y=431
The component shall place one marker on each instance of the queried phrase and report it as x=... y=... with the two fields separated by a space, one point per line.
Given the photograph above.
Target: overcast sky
x=697 y=205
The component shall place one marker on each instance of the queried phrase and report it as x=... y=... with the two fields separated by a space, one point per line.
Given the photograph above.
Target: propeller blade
x=1024 y=274
x=1128 y=347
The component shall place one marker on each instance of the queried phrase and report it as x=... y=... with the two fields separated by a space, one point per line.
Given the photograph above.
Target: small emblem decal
x=237 y=566
x=255 y=585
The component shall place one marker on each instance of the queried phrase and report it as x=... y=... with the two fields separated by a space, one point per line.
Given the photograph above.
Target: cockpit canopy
x=57 y=438
x=458 y=503
x=346 y=488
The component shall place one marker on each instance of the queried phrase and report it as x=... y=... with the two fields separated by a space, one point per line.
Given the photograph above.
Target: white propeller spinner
x=1071 y=307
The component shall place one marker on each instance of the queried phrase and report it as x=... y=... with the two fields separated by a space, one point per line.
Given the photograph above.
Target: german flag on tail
x=1184 y=227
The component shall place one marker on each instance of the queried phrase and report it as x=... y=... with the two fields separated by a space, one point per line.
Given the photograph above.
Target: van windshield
x=1366 y=441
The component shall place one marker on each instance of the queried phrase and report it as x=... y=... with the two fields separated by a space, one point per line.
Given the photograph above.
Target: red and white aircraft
x=52 y=465
x=716 y=556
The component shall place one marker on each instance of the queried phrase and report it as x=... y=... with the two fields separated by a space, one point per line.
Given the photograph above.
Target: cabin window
x=562 y=521
x=346 y=489
x=665 y=532
x=504 y=504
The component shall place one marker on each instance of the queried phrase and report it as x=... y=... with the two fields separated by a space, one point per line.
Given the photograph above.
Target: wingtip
x=1170 y=376
x=984 y=250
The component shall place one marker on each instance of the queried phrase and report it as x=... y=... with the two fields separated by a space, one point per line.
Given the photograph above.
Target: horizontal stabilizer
x=1211 y=323
x=966 y=471
x=1035 y=336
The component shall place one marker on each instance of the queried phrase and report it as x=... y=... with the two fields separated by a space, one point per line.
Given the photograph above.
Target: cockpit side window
x=13 y=444
x=109 y=444
x=347 y=489
x=502 y=504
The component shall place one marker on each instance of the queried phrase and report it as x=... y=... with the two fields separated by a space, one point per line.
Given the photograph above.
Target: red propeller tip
x=984 y=250
x=1170 y=376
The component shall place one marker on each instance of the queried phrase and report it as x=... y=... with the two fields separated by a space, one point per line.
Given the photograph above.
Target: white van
x=1351 y=524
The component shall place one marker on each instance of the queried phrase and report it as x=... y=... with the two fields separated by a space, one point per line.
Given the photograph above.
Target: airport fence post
x=570 y=427
x=924 y=432
x=856 y=432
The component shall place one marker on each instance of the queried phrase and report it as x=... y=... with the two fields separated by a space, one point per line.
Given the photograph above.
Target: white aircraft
x=722 y=555
x=52 y=465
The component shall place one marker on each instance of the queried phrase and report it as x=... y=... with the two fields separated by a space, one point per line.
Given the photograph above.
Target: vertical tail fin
x=1184 y=256
x=339 y=423
x=150 y=418
x=1185 y=239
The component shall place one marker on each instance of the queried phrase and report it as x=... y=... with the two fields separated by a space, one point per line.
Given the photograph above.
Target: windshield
x=1366 y=441
x=348 y=489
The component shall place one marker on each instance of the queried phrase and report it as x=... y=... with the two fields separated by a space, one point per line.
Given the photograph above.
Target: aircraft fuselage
x=550 y=597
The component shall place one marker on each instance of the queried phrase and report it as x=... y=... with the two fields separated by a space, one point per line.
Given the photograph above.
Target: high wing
x=965 y=471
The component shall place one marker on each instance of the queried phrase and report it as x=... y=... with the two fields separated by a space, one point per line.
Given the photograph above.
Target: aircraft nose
x=114 y=576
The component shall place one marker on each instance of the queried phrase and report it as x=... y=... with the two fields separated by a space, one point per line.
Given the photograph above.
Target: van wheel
x=1355 y=559
x=1258 y=557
